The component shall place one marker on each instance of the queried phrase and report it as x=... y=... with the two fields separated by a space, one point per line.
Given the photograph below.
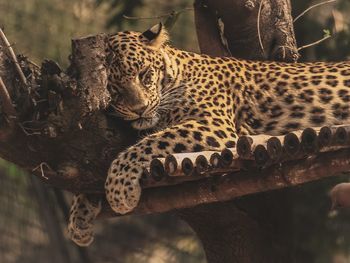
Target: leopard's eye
x=145 y=76
x=143 y=73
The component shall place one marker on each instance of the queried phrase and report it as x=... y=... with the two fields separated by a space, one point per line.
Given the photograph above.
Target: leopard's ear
x=156 y=36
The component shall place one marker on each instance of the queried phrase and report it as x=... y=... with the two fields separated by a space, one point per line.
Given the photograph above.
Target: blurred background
x=33 y=217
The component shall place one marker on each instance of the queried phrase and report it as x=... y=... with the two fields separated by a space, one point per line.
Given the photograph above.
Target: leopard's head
x=137 y=71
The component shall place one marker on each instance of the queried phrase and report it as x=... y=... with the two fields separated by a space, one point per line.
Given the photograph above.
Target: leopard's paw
x=82 y=215
x=123 y=188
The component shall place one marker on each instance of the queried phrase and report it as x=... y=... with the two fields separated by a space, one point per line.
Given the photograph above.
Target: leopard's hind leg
x=82 y=214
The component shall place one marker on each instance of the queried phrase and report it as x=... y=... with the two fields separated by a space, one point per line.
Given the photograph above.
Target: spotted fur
x=198 y=102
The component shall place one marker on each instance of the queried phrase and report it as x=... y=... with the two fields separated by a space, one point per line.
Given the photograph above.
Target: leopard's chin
x=145 y=123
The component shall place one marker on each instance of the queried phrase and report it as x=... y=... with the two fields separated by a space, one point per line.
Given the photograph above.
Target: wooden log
x=180 y=165
x=192 y=164
x=261 y=156
x=201 y=164
x=334 y=137
x=230 y=161
x=215 y=160
x=342 y=135
x=187 y=166
x=244 y=147
x=309 y=142
x=325 y=136
x=157 y=170
x=274 y=148
x=291 y=144
x=170 y=164
x=174 y=164
x=226 y=158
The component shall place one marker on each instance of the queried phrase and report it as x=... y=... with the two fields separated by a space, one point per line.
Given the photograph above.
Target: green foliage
x=326 y=33
x=18 y=176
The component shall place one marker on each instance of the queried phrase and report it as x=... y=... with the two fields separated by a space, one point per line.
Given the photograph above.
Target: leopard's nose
x=140 y=109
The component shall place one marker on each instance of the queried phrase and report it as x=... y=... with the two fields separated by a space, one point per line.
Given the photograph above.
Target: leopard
x=194 y=102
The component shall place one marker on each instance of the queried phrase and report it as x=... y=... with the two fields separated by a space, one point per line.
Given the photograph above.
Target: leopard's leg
x=122 y=185
x=82 y=214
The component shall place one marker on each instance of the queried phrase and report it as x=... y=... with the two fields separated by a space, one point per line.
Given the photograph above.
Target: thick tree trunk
x=255 y=228
x=229 y=233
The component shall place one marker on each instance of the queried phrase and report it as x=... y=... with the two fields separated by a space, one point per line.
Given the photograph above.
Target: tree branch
x=227 y=187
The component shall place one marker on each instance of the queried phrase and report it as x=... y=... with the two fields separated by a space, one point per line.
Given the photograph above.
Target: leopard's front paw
x=82 y=215
x=123 y=188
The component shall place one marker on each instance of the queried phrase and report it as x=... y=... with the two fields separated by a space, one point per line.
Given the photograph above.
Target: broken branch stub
x=89 y=69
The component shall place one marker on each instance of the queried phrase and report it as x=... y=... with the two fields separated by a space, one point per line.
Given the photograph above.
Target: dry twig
x=41 y=166
x=311 y=7
x=159 y=16
x=27 y=131
x=6 y=101
x=13 y=57
x=258 y=26
x=314 y=43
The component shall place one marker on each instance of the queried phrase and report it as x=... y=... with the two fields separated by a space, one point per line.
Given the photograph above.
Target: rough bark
x=232 y=236
x=241 y=29
x=257 y=228
x=62 y=132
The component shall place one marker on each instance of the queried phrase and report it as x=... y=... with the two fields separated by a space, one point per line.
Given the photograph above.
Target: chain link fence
x=32 y=221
